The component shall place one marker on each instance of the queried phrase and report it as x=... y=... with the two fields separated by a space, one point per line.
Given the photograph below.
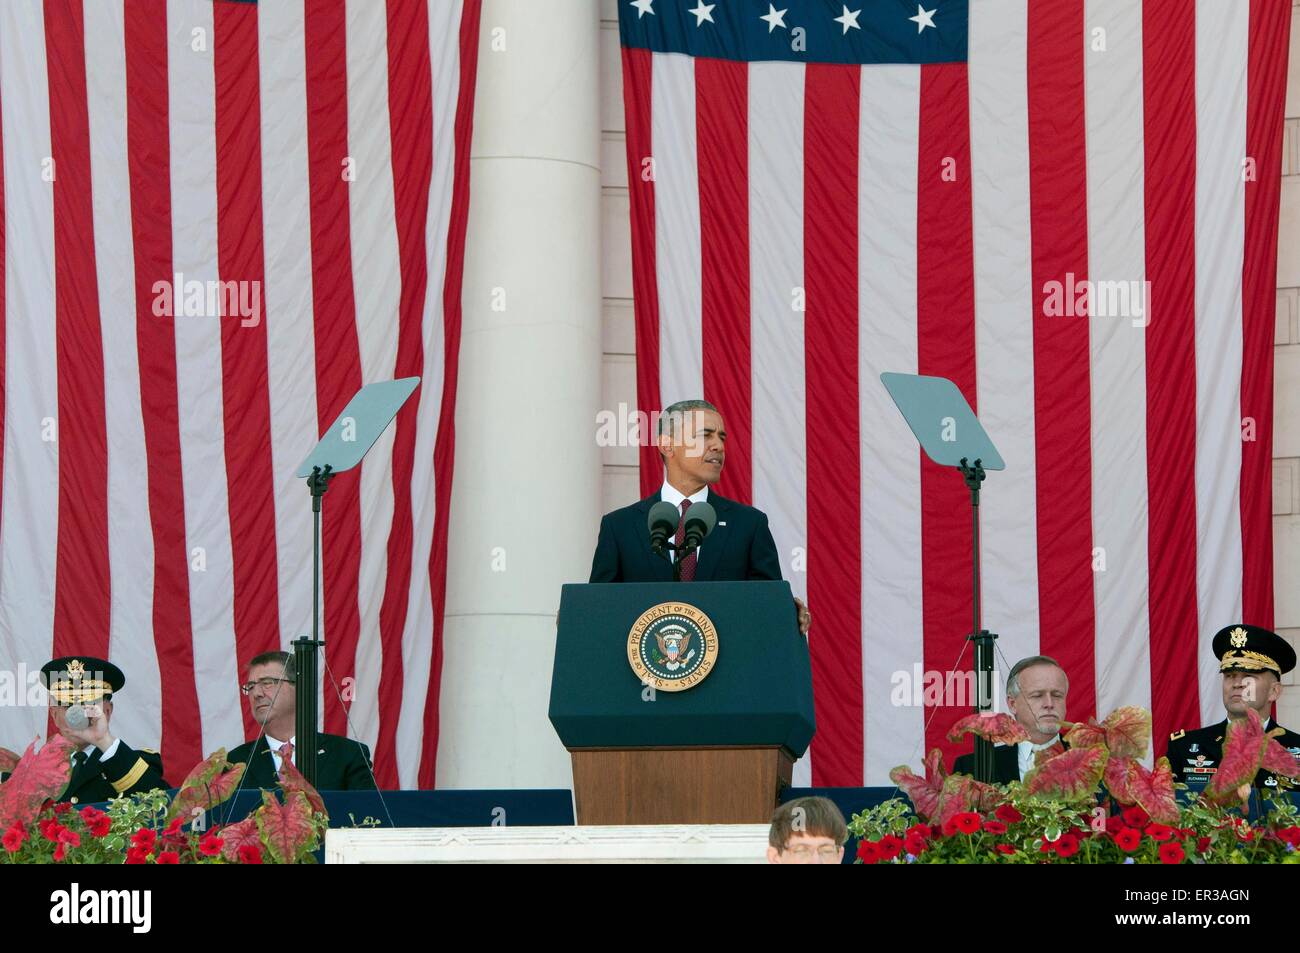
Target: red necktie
x=688 y=564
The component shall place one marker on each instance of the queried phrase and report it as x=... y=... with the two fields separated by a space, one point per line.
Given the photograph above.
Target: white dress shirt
x=670 y=494
x=1026 y=750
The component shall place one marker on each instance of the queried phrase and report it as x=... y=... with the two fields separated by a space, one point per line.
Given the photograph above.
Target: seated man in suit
x=1036 y=691
x=692 y=444
x=106 y=766
x=341 y=763
x=1252 y=662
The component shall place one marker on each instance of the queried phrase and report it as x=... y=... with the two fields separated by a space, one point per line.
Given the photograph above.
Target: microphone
x=700 y=520
x=76 y=717
x=662 y=523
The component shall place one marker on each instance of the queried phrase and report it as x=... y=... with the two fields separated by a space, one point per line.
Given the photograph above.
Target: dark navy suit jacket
x=740 y=546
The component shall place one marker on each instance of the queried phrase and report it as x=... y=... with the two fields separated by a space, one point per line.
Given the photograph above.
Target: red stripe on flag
x=149 y=158
x=831 y=95
x=338 y=357
x=246 y=407
x=637 y=95
x=945 y=317
x=1265 y=101
x=722 y=152
x=81 y=590
x=1169 y=117
x=410 y=116
x=1058 y=200
x=444 y=449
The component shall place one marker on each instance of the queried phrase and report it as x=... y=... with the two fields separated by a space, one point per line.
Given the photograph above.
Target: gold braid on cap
x=1248 y=659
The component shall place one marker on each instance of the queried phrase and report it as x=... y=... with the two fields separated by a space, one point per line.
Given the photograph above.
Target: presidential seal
x=672 y=647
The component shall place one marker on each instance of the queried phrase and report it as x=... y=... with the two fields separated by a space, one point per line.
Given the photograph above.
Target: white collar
x=670 y=494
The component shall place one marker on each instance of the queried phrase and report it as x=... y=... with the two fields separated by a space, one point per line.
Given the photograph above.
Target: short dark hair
x=271 y=658
x=814 y=816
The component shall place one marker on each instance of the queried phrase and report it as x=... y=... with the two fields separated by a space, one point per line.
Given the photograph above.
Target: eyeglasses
x=267 y=682
x=804 y=852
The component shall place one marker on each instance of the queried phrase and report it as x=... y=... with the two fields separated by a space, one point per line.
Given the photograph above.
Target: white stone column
x=526 y=497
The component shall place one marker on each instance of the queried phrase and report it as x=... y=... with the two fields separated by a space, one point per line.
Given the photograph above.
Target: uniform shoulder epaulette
x=1177 y=734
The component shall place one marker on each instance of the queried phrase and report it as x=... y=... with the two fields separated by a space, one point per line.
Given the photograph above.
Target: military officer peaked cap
x=78 y=679
x=1242 y=647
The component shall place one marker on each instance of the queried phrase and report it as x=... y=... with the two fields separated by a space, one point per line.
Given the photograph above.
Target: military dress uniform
x=1194 y=756
x=96 y=777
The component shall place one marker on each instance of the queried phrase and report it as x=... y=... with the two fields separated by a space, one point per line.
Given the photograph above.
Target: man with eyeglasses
x=81 y=691
x=807 y=830
x=342 y=764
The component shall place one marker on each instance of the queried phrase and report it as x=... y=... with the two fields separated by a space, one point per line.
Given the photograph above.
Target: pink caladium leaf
x=1070 y=776
x=39 y=776
x=997 y=727
x=291 y=780
x=1243 y=753
x=235 y=836
x=1129 y=782
x=923 y=791
x=211 y=782
x=286 y=828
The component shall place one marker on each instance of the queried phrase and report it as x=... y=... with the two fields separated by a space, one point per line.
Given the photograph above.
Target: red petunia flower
x=135 y=855
x=914 y=844
x=868 y=851
x=168 y=857
x=967 y=822
x=210 y=846
x=1171 y=853
x=1004 y=848
x=14 y=837
x=145 y=838
x=1159 y=832
x=1128 y=839
x=1009 y=814
x=250 y=854
x=1136 y=817
x=1067 y=846
x=995 y=827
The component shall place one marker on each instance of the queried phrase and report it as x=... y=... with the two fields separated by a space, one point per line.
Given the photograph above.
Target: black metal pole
x=305 y=650
x=983 y=639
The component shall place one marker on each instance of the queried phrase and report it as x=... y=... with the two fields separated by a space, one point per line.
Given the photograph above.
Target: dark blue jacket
x=740 y=546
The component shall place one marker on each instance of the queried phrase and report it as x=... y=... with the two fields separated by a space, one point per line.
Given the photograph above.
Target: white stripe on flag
x=191 y=128
x=417 y=636
x=1004 y=320
x=1221 y=58
x=780 y=462
x=29 y=528
x=1117 y=253
x=892 y=639
x=130 y=542
x=287 y=300
x=677 y=228
x=377 y=282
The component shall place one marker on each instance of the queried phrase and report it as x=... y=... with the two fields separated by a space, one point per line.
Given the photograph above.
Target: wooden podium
x=719 y=752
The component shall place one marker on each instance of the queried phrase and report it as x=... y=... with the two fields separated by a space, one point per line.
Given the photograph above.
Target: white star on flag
x=643 y=7
x=849 y=19
x=703 y=12
x=924 y=18
x=775 y=18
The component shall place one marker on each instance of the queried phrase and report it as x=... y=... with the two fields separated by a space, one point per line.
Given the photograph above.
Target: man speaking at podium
x=692 y=443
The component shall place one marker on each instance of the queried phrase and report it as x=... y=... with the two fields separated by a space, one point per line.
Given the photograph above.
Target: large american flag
x=316 y=153
x=822 y=191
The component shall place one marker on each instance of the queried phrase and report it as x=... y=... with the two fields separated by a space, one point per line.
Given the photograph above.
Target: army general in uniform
x=1252 y=662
